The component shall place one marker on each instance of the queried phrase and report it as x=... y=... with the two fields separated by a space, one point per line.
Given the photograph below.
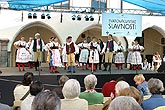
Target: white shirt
x=27 y=102
x=20 y=91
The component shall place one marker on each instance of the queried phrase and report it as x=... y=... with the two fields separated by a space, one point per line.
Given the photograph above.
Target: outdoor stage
x=10 y=77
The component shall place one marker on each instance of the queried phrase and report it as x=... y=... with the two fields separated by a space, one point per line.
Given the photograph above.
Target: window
x=62 y=5
x=99 y=4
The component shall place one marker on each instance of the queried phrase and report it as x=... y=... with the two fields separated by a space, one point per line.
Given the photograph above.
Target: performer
x=22 y=53
x=129 y=56
x=64 y=55
x=109 y=48
x=119 y=57
x=156 y=61
x=37 y=46
x=30 y=54
x=94 y=54
x=70 y=51
x=101 y=54
x=84 y=53
x=136 y=56
x=55 y=59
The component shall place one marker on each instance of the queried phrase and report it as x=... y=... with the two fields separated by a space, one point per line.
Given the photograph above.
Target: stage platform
x=10 y=77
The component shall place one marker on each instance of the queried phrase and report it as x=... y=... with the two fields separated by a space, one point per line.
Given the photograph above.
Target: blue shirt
x=143 y=88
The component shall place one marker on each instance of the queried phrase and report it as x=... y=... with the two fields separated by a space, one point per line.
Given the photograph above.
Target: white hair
x=71 y=89
x=124 y=103
x=120 y=86
x=90 y=81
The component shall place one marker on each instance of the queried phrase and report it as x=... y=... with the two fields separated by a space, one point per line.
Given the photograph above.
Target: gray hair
x=71 y=89
x=120 y=86
x=124 y=103
x=155 y=86
x=90 y=81
x=46 y=101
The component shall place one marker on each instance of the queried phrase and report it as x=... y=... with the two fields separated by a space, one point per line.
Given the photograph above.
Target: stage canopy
x=30 y=4
x=153 y=5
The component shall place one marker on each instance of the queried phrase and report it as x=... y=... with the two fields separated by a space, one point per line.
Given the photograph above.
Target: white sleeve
x=31 y=46
x=17 y=43
x=76 y=49
x=103 y=50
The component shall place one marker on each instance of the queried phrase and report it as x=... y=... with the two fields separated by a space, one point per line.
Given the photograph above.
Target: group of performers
x=93 y=55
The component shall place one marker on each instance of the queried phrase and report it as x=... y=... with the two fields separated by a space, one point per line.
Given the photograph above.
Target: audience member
x=46 y=101
x=21 y=90
x=120 y=86
x=61 y=82
x=71 y=92
x=142 y=85
x=35 y=88
x=124 y=103
x=156 y=88
x=90 y=94
x=133 y=92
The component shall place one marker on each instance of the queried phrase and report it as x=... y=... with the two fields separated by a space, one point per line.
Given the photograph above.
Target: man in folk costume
x=64 y=55
x=101 y=54
x=156 y=61
x=109 y=48
x=129 y=56
x=94 y=54
x=37 y=47
x=55 y=56
x=136 y=56
x=119 y=57
x=84 y=53
x=22 y=53
x=70 y=51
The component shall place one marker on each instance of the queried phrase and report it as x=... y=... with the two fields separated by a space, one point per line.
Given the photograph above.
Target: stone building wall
x=3 y=52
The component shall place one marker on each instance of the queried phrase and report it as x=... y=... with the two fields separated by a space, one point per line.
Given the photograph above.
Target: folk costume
x=109 y=48
x=119 y=57
x=64 y=56
x=94 y=55
x=22 y=54
x=101 y=55
x=84 y=54
x=156 y=61
x=30 y=54
x=55 y=59
x=136 y=56
x=37 y=47
x=70 y=51
x=129 y=56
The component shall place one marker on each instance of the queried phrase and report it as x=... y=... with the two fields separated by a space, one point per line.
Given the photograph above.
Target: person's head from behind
x=71 y=89
x=62 y=80
x=155 y=86
x=120 y=86
x=139 y=79
x=36 y=87
x=124 y=103
x=28 y=78
x=90 y=81
x=46 y=101
x=133 y=92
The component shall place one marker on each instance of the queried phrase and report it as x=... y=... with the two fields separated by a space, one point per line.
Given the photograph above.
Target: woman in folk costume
x=30 y=54
x=84 y=53
x=55 y=57
x=94 y=54
x=119 y=57
x=64 y=55
x=129 y=56
x=136 y=56
x=22 y=53
x=156 y=61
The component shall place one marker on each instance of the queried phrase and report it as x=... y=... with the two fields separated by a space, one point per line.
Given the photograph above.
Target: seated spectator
x=120 y=86
x=46 y=101
x=21 y=90
x=4 y=106
x=132 y=92
x=124 y=103
x=108 y=88
x=35 y=88
x=156 y=88
x=61 y=82
x=142 y=85
x=71 y=92
x=90 y=94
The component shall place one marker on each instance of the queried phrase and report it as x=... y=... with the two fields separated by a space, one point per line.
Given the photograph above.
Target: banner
x=121 y=25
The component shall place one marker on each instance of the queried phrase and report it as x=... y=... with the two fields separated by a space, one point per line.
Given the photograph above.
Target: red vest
x=70 y=48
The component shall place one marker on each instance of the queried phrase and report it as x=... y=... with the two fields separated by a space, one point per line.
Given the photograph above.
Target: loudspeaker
x=161 y=68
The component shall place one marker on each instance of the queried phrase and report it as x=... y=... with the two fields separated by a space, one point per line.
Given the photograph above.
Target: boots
x=105 y=67
x=110 y=67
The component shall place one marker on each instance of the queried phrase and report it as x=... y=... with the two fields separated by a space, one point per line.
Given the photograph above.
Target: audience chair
x=95 y=107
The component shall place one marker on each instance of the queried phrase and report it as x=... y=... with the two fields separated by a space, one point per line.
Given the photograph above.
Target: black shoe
x=68 y=71
x=105 y=70
x=74 y=71
x=19 y=70
x=57 y=72
x=51 y=71
x=23 y=70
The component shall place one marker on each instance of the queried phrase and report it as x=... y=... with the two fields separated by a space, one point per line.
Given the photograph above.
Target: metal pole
x=121 y=6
